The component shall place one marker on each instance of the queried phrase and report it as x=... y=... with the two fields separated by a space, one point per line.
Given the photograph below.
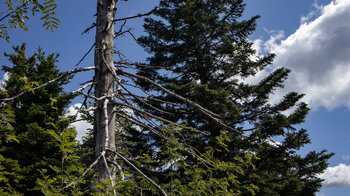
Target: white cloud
x=316 y=11
x=4 y=78
x=81 y=126
x=338 y=176
x=318 y=53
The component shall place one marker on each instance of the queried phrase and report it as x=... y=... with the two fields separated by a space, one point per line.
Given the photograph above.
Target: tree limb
x=65 y=74
x=204 y=111
x=139 y=171
x=132 y=17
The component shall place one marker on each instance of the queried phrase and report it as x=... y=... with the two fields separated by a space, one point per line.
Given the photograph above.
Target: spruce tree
x=202 y=52
x=37 y=115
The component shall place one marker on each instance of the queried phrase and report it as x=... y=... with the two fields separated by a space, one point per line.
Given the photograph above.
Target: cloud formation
x=336 y=177
x=318 y=53
x=4 y=78
x=81 y=126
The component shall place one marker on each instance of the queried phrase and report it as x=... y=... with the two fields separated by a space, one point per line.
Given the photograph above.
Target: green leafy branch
x=18 y=14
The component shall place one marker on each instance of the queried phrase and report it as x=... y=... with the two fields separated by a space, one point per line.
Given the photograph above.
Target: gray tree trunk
x=104 y=128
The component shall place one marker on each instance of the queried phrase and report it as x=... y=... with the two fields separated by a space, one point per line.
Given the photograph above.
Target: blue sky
x=309 y=37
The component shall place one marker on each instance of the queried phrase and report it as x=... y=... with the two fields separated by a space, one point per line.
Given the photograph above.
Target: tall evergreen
x=203 y=49
x=36 y=116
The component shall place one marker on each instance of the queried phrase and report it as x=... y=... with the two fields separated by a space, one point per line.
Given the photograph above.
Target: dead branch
x=93 y=45
x=86 y=171
x=65 y=74
x=140 y=65
x=166 y=102
x=149 y=114
x=139 y=171
x=204 y=111
x=109 y=173
x=138 y=122
x=120 y=170
x=89 y=28
x=132 y=17
x=116 y=20
x=143 y=102
x=83 y=87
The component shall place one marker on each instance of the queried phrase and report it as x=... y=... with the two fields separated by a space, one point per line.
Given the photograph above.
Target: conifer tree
x=36 y=116
x=202 y=52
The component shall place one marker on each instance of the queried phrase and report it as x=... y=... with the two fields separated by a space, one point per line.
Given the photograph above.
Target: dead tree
x=104 y=122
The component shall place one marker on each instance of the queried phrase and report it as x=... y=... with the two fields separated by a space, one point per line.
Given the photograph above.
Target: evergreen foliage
x=203 y=49
x=34 y=120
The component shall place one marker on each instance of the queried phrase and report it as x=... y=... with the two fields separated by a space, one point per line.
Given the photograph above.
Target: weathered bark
x=104 y=124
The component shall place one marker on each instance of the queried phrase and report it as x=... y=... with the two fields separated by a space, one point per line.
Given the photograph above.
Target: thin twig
x=93 y=45
x=89 y=28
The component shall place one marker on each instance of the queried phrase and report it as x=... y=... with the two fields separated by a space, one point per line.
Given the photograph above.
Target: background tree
x=204 y=54
x=36 y=115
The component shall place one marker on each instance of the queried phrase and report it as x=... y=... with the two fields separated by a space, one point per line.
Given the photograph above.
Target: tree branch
x=65 y=74
x=86 y=171
x=93 y=45
x=13 y=11
x=139 y=171
x=204 y=111
x=132 y=17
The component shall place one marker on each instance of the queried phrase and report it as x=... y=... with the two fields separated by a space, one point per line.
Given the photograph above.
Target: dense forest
x=184 y=122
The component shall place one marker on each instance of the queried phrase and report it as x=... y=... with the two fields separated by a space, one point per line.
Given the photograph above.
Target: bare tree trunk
x=104 y=124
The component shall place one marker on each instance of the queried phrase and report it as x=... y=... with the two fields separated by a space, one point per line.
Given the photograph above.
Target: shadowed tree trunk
x=104 y=124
